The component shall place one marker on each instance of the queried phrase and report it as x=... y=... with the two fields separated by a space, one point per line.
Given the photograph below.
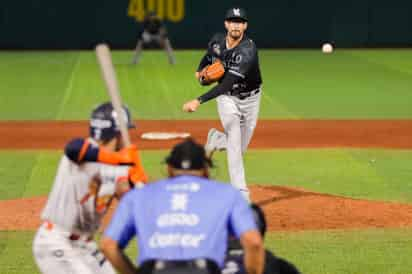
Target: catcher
x=273 y=264
x=90 y=175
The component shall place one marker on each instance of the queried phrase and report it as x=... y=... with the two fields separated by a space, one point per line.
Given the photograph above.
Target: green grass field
x=345 y=172
x=327 y=252
x=298 y=84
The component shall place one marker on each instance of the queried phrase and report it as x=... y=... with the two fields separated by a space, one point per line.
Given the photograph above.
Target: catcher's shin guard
x=138 y=50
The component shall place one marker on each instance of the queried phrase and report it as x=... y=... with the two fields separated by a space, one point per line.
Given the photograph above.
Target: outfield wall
x=51 y=24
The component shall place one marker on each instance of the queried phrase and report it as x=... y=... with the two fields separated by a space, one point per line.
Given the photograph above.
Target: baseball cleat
x=216 y=140
x=211 y=144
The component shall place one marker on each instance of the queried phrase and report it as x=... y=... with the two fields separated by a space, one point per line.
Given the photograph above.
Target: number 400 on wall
x=172 y=10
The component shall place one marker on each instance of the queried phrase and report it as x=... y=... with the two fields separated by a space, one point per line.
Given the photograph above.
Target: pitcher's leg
x=221 y=142
x=216 y=140
x=230 y=118
x=169 y=51
x=250 y=113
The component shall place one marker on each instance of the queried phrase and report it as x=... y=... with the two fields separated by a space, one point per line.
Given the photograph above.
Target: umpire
x=273 y=264
x=182 y=223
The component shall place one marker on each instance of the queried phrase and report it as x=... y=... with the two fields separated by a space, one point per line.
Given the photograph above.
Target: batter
x=83 y=189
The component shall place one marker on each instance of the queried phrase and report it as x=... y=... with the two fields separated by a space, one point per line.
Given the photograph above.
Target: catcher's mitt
x=211 y=73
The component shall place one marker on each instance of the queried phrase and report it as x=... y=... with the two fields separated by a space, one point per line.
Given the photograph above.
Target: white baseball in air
x=327 y=48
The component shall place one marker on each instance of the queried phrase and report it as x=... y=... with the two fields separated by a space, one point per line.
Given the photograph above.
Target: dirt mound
x=287 y=209
x=298 y=209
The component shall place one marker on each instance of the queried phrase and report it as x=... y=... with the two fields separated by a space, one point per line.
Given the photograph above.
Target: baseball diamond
x=330 y=161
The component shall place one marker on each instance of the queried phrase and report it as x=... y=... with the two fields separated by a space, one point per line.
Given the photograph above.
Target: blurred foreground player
x=180 y=229
x=273 y=264
x=90 y=175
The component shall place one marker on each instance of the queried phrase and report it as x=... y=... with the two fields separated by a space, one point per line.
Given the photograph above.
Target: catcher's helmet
x=104 y=123
x=259 y=217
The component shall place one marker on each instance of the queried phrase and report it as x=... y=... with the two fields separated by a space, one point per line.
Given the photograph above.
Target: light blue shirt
x=181 y=218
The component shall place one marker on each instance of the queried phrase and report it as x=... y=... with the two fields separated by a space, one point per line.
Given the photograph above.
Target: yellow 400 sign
x=172 y=10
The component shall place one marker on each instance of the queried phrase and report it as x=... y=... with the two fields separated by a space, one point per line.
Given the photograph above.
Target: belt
x=198 y=263
x=71 y=236
x=244 y=95
x=201 y=264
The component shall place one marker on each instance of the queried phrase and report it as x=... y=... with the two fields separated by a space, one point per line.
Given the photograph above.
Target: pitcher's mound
x=298 y=209
x=286 y=209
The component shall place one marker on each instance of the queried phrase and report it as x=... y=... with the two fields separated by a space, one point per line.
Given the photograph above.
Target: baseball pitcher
x=90 y=175
x=238 y=92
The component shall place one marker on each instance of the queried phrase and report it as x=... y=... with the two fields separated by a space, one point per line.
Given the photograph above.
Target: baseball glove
x=211 y=73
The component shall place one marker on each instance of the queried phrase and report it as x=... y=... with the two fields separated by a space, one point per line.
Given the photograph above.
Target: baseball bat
x=109 y=75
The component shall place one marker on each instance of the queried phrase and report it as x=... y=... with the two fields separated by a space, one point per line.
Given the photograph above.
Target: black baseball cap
x=236 y=13
x=188 y=155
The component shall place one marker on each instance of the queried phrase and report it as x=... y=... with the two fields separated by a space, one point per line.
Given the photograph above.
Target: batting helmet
x=104 y=124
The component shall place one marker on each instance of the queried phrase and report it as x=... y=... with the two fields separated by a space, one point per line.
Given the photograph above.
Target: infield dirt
x=286 y=208
x=268 y=134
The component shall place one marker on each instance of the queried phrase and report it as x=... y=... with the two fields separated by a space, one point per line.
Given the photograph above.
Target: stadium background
x=275 y=24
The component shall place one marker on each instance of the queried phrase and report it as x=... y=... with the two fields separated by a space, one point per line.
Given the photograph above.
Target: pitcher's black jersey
x=241 y=61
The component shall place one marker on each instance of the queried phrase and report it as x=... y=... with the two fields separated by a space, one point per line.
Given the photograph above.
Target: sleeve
x=79 y=150
x=226 y=85
x=208 y=57
x=241 y=217
x=206 y=60
x=121 y=228
x=242 y=61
